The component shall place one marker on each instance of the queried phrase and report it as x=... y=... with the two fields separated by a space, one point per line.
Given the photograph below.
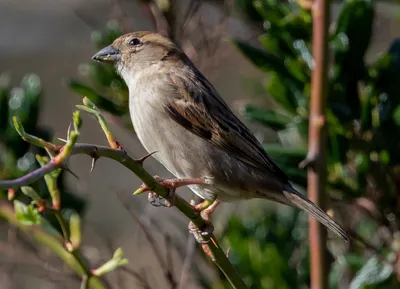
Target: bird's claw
x=157 y=201
x=202 y=235
x=154 y=199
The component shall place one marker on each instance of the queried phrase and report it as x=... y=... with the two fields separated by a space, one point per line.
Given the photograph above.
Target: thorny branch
x=71 y=148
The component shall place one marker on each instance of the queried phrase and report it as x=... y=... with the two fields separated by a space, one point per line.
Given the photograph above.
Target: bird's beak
x=107 y=54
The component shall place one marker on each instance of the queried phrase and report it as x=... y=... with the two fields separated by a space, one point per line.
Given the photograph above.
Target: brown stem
x=316 y=158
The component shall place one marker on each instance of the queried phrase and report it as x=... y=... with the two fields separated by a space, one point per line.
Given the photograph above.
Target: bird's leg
x=158 y=201
x=172 y=184
x=206 y=208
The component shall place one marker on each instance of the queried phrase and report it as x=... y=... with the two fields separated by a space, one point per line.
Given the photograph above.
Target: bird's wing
x=197 y=106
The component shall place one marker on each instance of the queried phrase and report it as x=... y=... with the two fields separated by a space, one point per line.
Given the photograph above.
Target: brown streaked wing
x=198 y=107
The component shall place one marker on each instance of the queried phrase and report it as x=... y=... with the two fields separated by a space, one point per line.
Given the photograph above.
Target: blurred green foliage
x=17 y=157
x=268 y=248
x=363 y=157
x=22 y=101
x=39 y=213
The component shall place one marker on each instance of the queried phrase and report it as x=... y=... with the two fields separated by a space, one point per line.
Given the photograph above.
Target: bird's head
x=135 y=51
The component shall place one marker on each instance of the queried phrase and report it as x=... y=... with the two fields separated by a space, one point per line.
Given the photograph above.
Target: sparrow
x=177 y=112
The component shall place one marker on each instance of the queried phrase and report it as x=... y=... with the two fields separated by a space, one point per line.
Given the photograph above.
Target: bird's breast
x=181 y=152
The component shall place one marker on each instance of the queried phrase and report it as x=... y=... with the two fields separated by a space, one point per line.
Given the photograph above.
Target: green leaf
x=281 y=93
x=350 y=43
x=31 y=193
x=265 y=61
x=291 y=154
x=248 y=10
x=355 y=261
x=272 y=118
x=271 y=10
x=296 y=175
x=298 y=25
x=373 y=272
x=291 y=89
x=288 y=158
x=26 y=215
x=386 y=76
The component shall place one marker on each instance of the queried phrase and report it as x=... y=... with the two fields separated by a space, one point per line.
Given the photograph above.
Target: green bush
x=363 y=157
x=17 y=157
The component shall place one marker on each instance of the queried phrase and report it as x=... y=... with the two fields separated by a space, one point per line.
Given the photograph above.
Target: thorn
x=227 y=252
x=94 y=160
x=61 y=139
x=119 y=146
x=67 y=169
x=141 y=160
x=69 y=130
x=95 y=157
x=308 y=162
x=84 y=283
x=143 y=188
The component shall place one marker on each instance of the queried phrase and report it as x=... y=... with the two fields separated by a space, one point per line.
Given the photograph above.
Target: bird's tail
x=307 y=205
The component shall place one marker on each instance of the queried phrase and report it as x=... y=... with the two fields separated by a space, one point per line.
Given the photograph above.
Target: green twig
x=33 y=139
x=92 y=109
x=61 y=222
x=116 y=261
x=51 y=182
x=50 y=171
x=212 y=248
x=52 y=242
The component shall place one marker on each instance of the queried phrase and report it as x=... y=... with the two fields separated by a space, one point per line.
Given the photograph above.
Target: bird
x=178 y=113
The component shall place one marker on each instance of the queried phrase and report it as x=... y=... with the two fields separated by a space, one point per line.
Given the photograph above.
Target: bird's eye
x=135 y=42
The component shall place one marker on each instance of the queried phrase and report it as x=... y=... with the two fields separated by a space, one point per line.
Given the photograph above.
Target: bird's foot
x=176 y=183
x=157 y=201
x=202 y=235
x=172 y=185
x=206 y=208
